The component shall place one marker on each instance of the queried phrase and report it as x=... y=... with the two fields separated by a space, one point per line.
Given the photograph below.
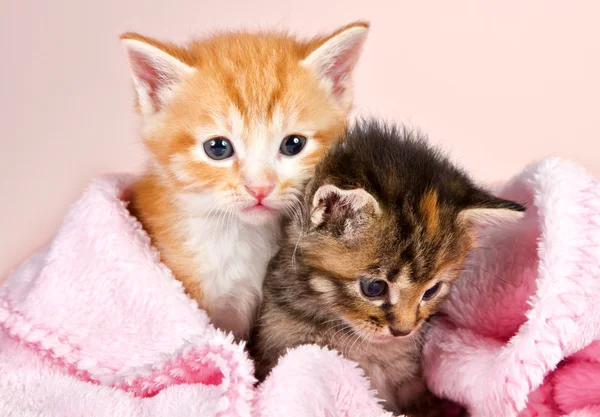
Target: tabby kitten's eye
x=373 y=289
x=218 y=148
x=431 y=292
x=292 y=145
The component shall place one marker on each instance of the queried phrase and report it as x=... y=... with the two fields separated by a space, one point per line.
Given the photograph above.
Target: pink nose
x=260 y=191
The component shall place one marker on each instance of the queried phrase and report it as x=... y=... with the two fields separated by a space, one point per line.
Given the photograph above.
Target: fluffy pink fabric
x=96 y=325
x=519 y=335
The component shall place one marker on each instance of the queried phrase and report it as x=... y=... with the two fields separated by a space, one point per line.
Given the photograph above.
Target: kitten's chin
x=383 y=338
x=258 y=215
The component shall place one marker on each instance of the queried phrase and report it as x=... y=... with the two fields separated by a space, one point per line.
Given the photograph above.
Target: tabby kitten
x=387 y=224
x=235 y=125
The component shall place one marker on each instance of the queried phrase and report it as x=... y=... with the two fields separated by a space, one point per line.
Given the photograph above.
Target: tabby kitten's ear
x=334 y=59
x=342 y=212
x=486 y=209
x=156 y=72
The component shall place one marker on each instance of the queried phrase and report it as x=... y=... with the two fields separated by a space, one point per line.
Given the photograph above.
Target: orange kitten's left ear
x=333 y=61
x=156 y=73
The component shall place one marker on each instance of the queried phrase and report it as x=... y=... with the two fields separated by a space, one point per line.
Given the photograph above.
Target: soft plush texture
x=520 y=334
x=95 y=325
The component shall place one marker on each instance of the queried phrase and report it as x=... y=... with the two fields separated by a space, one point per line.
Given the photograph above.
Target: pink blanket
x=95 y=325
x=521 y=331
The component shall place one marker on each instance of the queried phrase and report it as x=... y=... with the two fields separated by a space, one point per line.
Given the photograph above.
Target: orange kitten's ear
x=342 y=211
x=155 y=72
x=335 y=58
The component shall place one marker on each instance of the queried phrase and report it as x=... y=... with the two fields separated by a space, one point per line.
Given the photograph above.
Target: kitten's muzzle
x=400 y=332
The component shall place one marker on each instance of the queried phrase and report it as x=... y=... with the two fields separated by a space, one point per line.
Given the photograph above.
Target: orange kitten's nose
x=397 y=332
x=259 y=191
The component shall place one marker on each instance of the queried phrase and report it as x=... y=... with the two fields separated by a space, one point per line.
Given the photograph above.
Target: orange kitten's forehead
x=251 y=87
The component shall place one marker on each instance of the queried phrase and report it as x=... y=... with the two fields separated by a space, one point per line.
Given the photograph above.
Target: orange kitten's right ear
x=334 y=60
x=156 y=73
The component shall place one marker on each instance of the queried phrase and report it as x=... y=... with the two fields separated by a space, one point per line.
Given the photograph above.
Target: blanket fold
x=94 y=324
x=527 y=303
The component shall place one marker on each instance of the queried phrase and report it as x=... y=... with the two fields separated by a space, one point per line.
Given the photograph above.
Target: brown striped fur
x=383 y=206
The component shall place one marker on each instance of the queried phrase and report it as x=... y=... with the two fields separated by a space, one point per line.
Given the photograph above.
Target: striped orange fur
x=254 y=89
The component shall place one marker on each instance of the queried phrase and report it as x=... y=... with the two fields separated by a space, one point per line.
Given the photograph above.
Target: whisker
x=358 y=337
x=343 y=328
x=338 y=328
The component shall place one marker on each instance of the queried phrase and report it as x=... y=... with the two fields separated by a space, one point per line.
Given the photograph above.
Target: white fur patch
x=322 y=285
x=231 y=257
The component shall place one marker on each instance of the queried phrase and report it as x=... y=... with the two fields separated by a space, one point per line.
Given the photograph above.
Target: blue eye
x=292 y=145
x=373 y=289
x=218 y=148
x=431 y=292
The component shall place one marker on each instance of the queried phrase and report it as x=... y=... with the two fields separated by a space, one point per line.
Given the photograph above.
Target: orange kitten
x=235 y=125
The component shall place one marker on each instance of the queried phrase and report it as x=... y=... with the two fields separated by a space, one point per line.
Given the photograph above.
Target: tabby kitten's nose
x=397 y=332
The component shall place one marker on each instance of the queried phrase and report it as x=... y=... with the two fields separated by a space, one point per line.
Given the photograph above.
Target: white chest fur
x=231 y=259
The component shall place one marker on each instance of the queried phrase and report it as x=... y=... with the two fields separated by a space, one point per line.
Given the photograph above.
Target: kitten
x=235 y=125
x=387 y=224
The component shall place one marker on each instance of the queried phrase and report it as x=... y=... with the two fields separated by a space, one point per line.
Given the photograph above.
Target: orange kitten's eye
x=218 y=148
x=431 y=292
x=373 y=289
x=292 y=145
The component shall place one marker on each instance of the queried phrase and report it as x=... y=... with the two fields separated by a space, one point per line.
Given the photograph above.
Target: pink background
x=497 y=83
